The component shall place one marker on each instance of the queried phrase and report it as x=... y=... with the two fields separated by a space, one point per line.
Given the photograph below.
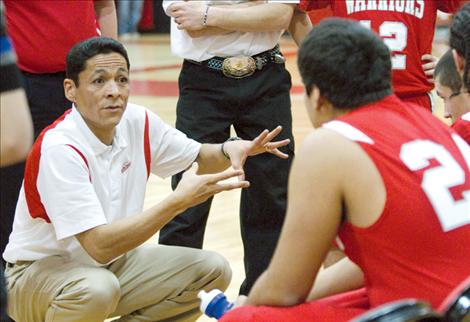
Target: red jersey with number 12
x=407 y=27
x=419 y=247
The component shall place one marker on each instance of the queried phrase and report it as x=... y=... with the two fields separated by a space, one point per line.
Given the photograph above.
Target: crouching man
x=76 y=252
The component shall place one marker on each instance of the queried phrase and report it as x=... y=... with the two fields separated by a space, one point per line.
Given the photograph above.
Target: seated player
x=449 y=87
x=387 y=177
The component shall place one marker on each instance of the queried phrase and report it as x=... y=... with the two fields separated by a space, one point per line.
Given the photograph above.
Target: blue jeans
x=129 y=14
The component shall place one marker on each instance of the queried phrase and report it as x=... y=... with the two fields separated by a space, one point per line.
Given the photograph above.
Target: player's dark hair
x=460 y=39
x=350 y=64
x=446 y=72
x=81 y=52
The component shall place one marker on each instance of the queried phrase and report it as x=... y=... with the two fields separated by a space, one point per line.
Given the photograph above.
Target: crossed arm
x=252 y=16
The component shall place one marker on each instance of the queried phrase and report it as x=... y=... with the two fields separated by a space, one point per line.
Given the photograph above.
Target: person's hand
x=238 y=151
x=429 y=66
x=188 y=15
x=194 y=189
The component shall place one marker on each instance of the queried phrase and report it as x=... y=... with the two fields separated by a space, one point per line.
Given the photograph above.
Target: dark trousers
x=208 y=104
x=46 y=99
x=3 y=297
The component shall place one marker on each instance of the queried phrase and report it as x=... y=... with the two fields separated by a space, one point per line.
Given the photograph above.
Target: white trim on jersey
x=348 y=131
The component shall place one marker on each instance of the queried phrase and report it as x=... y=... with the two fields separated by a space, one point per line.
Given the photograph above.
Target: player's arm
x=299 y=26
x=314 y=214
x=105 y=11
x=341 y=277
x=429 y=63
x=16 y=127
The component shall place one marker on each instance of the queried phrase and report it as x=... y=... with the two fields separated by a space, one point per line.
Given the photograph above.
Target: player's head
x=460 y=42
x=343 y=66
x=449 y=87
x=82 y=52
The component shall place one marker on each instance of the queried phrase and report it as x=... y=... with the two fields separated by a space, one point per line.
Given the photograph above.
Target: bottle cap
x=207 y=297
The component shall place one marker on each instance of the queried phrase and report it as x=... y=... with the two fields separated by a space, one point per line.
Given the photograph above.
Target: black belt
x=243 y=66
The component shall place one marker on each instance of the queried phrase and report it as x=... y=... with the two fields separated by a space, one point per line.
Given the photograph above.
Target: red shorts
x=424 y=100
x=337 y=308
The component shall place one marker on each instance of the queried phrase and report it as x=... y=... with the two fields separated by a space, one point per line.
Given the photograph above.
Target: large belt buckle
x=239 y=66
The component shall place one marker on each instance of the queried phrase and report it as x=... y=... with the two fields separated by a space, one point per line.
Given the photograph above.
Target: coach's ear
x=70 y=89
x=459 y=61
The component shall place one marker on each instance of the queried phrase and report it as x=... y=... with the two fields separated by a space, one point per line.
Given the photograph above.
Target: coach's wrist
x=223 y=145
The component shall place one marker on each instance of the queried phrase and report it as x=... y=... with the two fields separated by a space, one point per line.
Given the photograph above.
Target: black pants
x=46 y=99
x=208 y=104
x=3 y=297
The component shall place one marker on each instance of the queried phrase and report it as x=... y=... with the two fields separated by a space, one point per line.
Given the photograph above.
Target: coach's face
x=102 y=94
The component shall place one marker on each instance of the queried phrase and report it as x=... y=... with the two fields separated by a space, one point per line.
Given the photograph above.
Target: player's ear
x=459 y=61
x=70 y=89
x=321 y=102
x=315 y=96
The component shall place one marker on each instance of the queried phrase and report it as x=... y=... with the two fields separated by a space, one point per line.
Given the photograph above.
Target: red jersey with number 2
x=420 y=245
x=406 y=26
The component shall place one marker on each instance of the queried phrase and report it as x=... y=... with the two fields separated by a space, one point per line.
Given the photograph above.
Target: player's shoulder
x=333 y=143
x=462 y=127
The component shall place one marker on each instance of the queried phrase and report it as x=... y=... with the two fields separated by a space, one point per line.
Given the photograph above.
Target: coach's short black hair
x=447 y=74
x=460 y=39
x=81 y=52
x=350 y=64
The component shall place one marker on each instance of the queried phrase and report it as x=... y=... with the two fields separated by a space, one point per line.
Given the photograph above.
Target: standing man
x=449 y=87
x=407 y=28
x=42 y=33
x=234 y=75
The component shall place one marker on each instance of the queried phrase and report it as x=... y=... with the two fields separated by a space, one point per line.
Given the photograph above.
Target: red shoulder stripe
x=147 y=144
x=33 y=200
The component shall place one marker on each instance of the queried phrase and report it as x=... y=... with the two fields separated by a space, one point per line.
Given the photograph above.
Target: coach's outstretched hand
x=238 y=151
x=196 y=188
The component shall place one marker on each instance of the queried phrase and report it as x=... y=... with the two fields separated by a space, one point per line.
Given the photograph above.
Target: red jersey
x=419 y=246
x=407 y=27
x=462 y=127
x=43 y=32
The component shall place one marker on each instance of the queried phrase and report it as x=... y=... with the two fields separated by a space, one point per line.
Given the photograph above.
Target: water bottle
x=214 y=304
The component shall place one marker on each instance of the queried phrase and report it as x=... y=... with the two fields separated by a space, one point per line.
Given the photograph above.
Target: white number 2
x=438 y=180
x=395 y=36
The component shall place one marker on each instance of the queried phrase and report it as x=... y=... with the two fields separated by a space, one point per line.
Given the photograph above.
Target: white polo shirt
x=74 y=182
x=230 y=44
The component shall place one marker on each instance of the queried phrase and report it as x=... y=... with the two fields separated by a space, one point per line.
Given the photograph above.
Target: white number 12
x=395 y=36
